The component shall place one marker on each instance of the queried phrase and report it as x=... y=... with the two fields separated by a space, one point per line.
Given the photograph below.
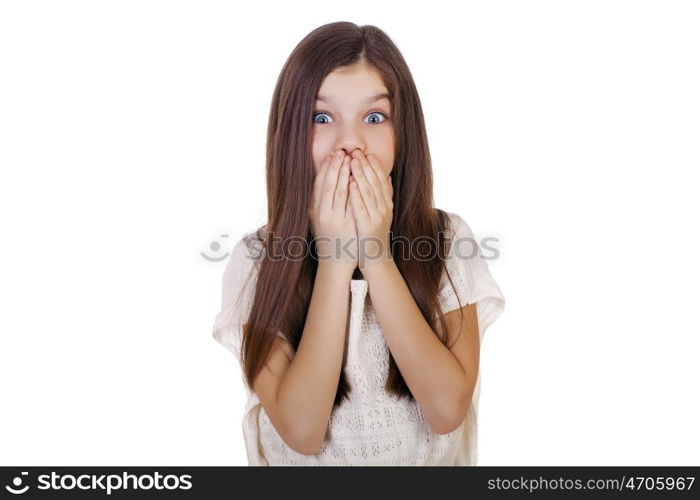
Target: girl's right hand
x=331 y=216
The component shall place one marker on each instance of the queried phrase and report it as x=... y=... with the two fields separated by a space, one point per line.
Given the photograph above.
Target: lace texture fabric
x=372 y=427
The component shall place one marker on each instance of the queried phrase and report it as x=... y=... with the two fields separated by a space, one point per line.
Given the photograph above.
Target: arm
x=442 y=380
x=298 y=389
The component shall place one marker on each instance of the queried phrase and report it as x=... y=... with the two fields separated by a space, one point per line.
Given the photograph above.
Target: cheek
x=388 y=160
x=389 y=167
x=319 y=151
x=387 y=152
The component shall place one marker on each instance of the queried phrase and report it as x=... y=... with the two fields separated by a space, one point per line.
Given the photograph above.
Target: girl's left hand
x=371 y=195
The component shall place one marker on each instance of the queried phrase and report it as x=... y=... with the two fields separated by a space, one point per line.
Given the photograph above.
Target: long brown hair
x=284 y=286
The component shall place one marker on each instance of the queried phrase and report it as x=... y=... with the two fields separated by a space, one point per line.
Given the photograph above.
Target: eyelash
x=316 y=113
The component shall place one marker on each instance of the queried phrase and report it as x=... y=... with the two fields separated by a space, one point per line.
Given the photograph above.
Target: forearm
x=433 y=374
x=309 y=386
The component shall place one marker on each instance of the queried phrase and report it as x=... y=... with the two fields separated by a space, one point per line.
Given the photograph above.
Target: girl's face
x=352 y=111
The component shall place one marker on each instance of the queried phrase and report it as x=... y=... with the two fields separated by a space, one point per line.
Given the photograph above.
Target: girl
x=358 y=310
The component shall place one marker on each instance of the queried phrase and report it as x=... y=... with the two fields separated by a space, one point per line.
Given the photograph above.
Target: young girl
x=358 y=310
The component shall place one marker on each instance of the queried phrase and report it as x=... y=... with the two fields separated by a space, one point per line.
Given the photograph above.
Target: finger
x=384 y=180
x=359 y=209
x=348 y=205
x=318 y=181
x=330 y=182
x=341 y=190
x=373 y=178
x=351 y=179
x=365 y=190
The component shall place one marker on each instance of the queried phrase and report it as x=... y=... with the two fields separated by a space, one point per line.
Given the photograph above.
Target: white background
x=132 y=136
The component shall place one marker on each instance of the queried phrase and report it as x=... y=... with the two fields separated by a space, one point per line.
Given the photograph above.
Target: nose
x=349 y=151
x=349 y=139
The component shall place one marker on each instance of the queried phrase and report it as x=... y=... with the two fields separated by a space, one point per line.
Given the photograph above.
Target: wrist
x=374 y=267
x=335 y=270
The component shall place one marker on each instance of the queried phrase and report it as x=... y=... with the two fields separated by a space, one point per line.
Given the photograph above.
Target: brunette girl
x=357 y=312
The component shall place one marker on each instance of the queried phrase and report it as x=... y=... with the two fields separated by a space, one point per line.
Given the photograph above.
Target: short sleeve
x=237 y=293
x=237 y=287
x=471 y=277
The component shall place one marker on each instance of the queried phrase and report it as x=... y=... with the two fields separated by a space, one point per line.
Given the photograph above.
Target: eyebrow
x=383 y=95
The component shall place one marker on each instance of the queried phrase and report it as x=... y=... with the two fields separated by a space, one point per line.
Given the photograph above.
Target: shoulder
x=248 y=249
x=242 y=263
x=457 y=227
x=463 y=252
x=471 y=276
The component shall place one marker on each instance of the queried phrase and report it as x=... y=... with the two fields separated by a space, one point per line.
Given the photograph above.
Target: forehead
x=357 y=83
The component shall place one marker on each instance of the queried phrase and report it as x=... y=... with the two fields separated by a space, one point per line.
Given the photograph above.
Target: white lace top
x=371 y=427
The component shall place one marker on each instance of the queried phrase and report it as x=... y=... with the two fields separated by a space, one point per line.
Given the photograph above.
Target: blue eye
x=378 y=113
x=323 y=113
x=319 y=114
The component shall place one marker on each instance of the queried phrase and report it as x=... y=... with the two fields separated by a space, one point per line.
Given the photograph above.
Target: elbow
x=445 y=426
x=297 y=430
x=305 y=447
x=303 y=441
x=452 y=417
